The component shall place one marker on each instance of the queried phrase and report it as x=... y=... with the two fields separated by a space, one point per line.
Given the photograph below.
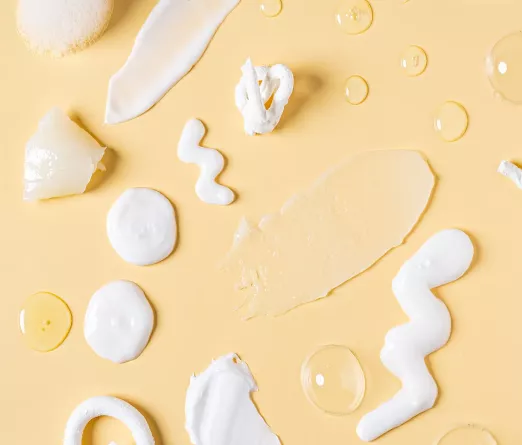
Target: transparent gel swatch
x=356 y=90
x=271 y=8
x=354 y=16
x=467 y=435
x=333 y=380
x=451 y=121
x=414 y=61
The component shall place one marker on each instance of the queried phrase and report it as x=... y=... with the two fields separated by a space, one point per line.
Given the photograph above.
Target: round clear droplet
x=271 y=8
x=333 y=380
x=468 y=435
x=504 y=67
x=356 y=90
x=414 y=61
x=451 y=121
x=354 y=16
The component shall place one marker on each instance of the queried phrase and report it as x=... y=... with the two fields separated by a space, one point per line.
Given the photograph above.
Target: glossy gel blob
x=414 y=61
x=45 y=321
x=451 y=121
x=504 y=67
x=356 y=90
x=271 y=8
x=354 y=16
x=468 y=435
x=333 y=380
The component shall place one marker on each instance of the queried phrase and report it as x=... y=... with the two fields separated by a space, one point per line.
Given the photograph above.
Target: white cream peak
x=257 y=85
x=219 y=409
x=210 y=161
x=60 y=158
x=444 y=258
x=512 y=172
x=107 y=406
x=170 y=43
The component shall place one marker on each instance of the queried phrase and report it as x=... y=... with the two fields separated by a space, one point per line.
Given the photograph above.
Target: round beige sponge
x=59 y=27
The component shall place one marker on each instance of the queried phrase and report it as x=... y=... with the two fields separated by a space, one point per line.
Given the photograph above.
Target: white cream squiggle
x=511 y=171
x=209 y=160
x=251 y=96
x=107 y=406
x=444 y=258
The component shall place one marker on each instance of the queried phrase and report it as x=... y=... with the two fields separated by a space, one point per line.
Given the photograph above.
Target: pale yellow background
x=60 y=246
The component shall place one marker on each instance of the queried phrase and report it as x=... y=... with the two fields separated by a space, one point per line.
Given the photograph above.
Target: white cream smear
x=118 y=322
x=512 y=172
x=210 y=161
x=329 y=233
x=107 y=406
x=170 y=43
x=219 y=409
x=257 y=85
x=141 y=226
x=444 y=258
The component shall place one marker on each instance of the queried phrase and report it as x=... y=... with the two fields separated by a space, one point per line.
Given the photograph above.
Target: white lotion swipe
x=444 y=258
x=257 y=85
x=60 y=158
x=107 y=406
x=511 y=171
x=141 y=226
x=170 y=43
x=210 y=161
x=119 y=321
x=219 y=410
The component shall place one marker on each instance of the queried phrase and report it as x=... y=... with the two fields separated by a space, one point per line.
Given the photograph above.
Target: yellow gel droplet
x=271 y=8
x=333 y=380
x=414 y=61
x=45 y=321
x=451 y=121
x=356 y=90
x=354 y=16
x=504 y=67
x=468 y=435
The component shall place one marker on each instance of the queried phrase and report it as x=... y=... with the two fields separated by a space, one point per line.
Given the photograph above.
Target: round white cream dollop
x=141 y=226
x=119 y=321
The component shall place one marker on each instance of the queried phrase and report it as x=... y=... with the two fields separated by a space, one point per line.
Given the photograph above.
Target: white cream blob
x=118 y=322
x=210 y=161
x=444 y=258
x=257 y=85
x=141 y=226
x=107 y=406
x=511 y=171
x=219 y=410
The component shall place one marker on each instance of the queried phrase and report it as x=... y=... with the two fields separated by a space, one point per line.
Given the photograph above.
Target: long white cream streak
x=444 y=258
x=210 y=161
x=170 y=43
x=219 y=410
x=107 y=406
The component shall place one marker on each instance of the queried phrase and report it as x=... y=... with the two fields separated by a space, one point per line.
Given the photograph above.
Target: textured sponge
x=59 y=27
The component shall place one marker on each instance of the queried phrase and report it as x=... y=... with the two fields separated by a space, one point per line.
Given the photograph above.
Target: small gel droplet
x=271 y=8
x=354 y=16
x=451 y=121
x=356 y=90
x=414 y=61
x=469 y=434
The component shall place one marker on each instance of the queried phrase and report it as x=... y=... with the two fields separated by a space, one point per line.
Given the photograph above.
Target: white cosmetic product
x=170 y=43
x=512 y=172
x=251 y=96
x=219 y=410
x=444 y=258
x=118 y=322
x=107 y=406
x=141 y=226
x=210 y=161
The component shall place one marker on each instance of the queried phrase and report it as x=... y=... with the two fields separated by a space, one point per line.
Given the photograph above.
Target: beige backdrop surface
x=60 y=246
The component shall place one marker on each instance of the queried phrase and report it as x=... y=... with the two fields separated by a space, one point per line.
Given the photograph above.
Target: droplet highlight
x=414 y=61
x=45 y=321
x=356 y=90
x=354 y=16
x=451 y=121
x=469 y=434
x=504 y=67
x=333 y=380
x=271 y=8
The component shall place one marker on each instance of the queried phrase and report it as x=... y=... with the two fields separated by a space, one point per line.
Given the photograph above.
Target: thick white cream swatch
x=444 y=258
x=170 y=43
x=118 y=322
x=141 y=226
x=511 y=171
x=256 y=87
x=219 y=409
x=107 y=406
x=210 y=161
